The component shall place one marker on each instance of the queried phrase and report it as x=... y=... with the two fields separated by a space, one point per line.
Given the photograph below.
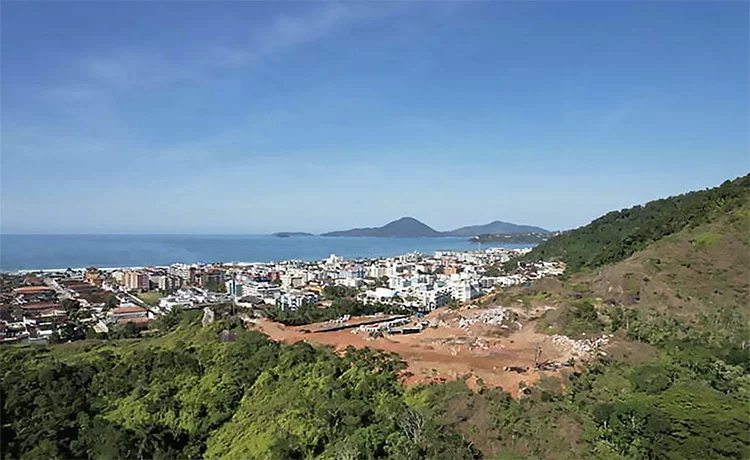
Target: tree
x=383 y=281
x=69 y=332
x=70 y=306
x=111 y=302
x=492 y=272
x=216 y=287
x=128 y=331
x=335 y=291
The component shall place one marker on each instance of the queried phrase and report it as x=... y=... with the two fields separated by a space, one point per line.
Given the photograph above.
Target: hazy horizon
x=260 y=117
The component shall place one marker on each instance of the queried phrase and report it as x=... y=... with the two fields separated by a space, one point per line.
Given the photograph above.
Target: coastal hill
x=495 y=228
x=409 y=227
x=405 y=227
x=683 y=255
x=619 y=234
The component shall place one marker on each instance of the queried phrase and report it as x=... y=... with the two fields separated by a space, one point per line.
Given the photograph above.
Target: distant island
x=409 y=227
x=513 y=238
x=496 y=228
x=290 y=234
x=406 y=227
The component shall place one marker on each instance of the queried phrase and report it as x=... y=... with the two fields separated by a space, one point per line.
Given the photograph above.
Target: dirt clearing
x=474 y=343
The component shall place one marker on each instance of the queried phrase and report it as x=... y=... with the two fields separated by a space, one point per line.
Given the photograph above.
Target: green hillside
x=222 y=392
x=219 y=392
x=619 y=234
x=695 y=270
x=675 y=384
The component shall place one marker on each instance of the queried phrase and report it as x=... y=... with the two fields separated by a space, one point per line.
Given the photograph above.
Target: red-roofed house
x=32 y=290
x=130 y=313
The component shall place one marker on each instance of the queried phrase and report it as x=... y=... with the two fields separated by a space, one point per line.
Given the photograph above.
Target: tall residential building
x=290 y=280
x=376 y=271
x=135 y=280
x=169 y=283
x=234 y=288
x=184 y=271
x=212 y=278
x=333 y=259
x=464 y=290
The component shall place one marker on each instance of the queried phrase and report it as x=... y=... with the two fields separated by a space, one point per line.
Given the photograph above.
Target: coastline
x=50 y=253
x=112 y=269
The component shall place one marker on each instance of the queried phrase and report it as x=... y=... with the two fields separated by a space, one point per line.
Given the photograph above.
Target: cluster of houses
x=34 y=309
x=415 y=280
x=42 y=303
x=190 y=298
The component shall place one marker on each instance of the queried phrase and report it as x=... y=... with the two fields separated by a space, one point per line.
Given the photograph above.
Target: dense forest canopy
x=619 y=234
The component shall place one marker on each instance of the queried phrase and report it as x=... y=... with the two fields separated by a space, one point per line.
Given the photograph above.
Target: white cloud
x=138 y=68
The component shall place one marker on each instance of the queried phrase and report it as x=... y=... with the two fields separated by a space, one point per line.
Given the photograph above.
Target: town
x=64 y=305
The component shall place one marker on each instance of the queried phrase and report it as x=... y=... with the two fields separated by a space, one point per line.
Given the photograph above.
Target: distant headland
x=409 y=227
x=290 y=234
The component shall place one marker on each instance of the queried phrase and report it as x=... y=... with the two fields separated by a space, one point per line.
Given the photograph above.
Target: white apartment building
x=399 y=282
x=380 y=295
x=295 y=299
x=350 y=282
x=183 y=271
x=392 y=270
x=333 y=259
x=377 y=271
x=436 y=297
x=465 y=290
x=262 y=290
x=118 y=275
x=292 y=280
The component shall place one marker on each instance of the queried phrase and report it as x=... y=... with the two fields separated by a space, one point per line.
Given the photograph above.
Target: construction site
x=492 y=347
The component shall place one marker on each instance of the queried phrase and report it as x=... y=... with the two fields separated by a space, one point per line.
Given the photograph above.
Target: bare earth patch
x=478 y=352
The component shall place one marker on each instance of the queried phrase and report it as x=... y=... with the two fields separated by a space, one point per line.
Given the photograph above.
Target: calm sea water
x=25 y=252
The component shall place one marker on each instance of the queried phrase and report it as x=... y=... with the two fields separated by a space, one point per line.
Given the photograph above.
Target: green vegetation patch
x=575 y=320
x=191 y=394
x=340 y=306
x=706 y=239
x=151 y=297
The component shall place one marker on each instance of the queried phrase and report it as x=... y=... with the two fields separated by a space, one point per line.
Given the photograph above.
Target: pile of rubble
x=455 y=345
x=581 y=347
x=495 y=317
x=479 y=344
x=454 y=341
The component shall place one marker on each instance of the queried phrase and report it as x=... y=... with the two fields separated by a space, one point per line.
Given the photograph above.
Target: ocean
x=37 y=252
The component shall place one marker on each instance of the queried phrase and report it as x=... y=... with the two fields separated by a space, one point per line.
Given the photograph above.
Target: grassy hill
x=701 y=267
x=694 y=270
x=619 y=234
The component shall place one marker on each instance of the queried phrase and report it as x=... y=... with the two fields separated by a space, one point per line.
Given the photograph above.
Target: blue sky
x=192 y=117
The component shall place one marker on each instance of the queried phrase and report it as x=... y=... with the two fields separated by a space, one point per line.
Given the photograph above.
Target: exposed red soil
x=446 y=352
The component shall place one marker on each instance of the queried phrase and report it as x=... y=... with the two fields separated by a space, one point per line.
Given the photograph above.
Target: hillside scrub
x=619 y=234
x=340 y=306
x=188 y=394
